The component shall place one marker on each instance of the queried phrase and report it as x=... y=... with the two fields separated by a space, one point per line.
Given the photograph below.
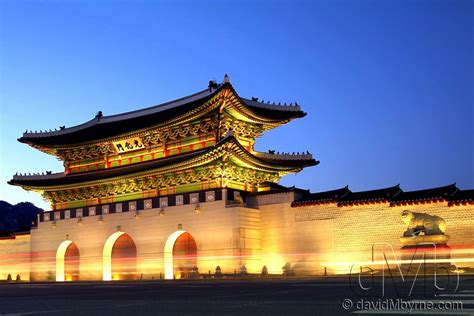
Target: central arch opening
x=119 y=258
x=71 y=263
x=67 y=262
x=124 y=259
x=180 y=255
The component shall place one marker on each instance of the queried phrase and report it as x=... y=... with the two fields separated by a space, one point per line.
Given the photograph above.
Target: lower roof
x=61 y=179
x=57 y=179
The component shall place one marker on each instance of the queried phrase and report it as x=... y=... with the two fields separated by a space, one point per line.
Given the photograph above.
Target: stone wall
x=223 y=235
x=309 y=240
x=328 y=236
x=15 y=257
x=301 y=245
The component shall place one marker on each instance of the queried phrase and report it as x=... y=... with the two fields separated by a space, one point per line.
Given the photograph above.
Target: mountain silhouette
x=17 y=218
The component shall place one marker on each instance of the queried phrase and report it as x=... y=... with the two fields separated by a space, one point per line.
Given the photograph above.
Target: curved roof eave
x=123 y=116
x=114 y=125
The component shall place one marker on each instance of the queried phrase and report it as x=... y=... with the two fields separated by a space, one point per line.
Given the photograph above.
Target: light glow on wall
x=107 y=256
x=398 y=262
x=60 y=254
x=274 y=263
x=348 y=264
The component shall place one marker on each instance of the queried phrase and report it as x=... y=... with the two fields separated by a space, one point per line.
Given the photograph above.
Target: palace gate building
x=176 y=190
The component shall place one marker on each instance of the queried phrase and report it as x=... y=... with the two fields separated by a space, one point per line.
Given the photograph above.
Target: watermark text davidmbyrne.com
x=389 y=304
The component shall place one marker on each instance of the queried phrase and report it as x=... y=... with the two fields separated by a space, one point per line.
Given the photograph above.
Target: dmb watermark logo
x=411 y=280
x=422 y=270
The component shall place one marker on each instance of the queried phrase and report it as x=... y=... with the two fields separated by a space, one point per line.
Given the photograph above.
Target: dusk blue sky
x=387 y=85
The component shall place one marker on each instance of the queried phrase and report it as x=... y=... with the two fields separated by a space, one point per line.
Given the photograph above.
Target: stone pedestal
x=429 y=251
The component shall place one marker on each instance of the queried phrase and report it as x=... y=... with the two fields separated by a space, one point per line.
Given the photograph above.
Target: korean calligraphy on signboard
x=127 y=145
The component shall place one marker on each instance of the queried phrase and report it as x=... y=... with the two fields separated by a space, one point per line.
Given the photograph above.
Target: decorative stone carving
x=423 y=228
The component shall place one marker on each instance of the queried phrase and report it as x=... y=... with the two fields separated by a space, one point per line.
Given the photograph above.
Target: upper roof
x=103 y=127
x=178 y=161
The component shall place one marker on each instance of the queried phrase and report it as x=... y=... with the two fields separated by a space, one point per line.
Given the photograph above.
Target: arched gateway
x=180 y=255
x=119 y=258
x=67 y=262
x=192 y=150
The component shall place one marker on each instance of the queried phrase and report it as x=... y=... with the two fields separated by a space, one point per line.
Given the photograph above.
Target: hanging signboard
x=127 y=145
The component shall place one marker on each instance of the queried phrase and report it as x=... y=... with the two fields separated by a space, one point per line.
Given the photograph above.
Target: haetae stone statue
x=423 y=228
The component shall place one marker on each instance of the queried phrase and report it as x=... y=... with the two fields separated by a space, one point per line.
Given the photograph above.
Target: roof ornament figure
x=99 y=115
x=63 y=127
x=254 y=99
x=226 y=79
x=212 y=85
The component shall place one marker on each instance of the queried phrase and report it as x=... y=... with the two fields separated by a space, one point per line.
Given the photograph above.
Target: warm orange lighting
x=107 y=256
x=60 y=253
x=168 y=253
